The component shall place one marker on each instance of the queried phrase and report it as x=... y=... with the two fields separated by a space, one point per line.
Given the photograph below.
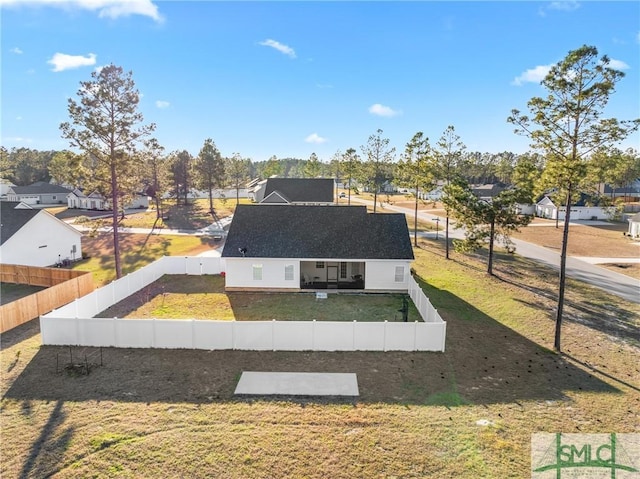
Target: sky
x=293 y=78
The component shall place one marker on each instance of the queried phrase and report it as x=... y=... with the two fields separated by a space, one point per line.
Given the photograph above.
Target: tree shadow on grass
x=485 y=362
x=46 y=451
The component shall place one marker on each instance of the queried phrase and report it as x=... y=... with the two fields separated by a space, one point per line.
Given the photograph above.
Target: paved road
x=619 y=284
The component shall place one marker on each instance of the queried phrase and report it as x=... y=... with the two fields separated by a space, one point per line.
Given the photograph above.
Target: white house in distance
x=295 y=247
x=95 y=201
x=34 y=237
x=634 y=226
x=545 y=208
x=39 y=193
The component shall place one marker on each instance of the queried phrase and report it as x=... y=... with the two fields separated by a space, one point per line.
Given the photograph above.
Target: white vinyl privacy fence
x=74 y=324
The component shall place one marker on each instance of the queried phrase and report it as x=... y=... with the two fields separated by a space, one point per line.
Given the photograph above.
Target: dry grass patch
x=629 y=269
x=584 y=240
x=171 y=413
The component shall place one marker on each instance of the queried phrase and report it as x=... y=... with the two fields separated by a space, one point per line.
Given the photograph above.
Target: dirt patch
x=11 y=291
x=629 y=269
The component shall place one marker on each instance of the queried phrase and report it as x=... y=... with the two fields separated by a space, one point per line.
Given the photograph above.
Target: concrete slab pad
x=297 y=384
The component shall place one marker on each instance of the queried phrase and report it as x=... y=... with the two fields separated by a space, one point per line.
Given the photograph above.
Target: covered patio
x=332 y=275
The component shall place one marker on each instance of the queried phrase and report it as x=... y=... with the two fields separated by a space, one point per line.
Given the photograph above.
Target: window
x=257 y=272
x=399 y=274
x=288 y=272
x=343 y=270
x=320 y=264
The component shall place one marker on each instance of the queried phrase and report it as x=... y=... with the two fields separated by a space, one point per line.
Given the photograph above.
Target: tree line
x=573 y=151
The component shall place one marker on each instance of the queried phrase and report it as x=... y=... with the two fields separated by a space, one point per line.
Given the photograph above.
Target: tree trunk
x=114 y=220
x=211 y=198
x=375 y=197
x=446 y=237
x=415 y=225
x=563 y=266
x=492 y=233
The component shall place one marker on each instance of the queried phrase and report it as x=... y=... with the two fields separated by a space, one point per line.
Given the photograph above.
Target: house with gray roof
x=39 y=193
x=271 y=247
x=296 y=191
x=34 y=237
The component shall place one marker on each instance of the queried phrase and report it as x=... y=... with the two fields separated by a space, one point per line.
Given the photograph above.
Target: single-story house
x=95 y=201
x=5 y=185
x=545 y=208
x=297 y=247
x=634 y=226
x=34 y=237
x=298 y=191
x=488 y=191
x=92 y=201
x=39 y=193
x=630 y=192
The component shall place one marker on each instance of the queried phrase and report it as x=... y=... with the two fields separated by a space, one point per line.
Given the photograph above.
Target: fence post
x=353 y=341
x=273 y=334
x=313 y=335
x=384 y=336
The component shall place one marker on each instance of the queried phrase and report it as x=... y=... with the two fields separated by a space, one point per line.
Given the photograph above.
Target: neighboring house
x=488 y=191
x=95 y=201
x=34 y=237
x=634 y=226
x=299 y=191
x=39 y=193
x=270 y=247
x=5 y=185
x=257 y=189
x=545 y=208
x=628 y=193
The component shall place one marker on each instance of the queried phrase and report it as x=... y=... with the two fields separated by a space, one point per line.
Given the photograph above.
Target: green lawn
x=203 y=297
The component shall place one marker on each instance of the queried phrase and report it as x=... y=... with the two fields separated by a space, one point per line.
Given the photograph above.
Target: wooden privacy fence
x=63 y=286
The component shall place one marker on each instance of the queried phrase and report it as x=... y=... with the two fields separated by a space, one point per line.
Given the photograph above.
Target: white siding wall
x=381 y=274
x=40 y=241
x=239 y=273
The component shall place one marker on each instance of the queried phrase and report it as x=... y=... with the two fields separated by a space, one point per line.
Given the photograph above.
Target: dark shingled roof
x=330 y=232
x=297 y=190
x=39 y=188
x=11 y=219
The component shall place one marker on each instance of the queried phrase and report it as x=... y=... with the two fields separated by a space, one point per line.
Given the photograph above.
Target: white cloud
x=18 y=118
x=162 y=104
x=618 y=64
x=105 y=8
x=281 y=47
x=533 y=75
x=381 y=110
x=17 y=51
x=17 y=139
x=562 y=5
x=315 y=138
x=62 y=61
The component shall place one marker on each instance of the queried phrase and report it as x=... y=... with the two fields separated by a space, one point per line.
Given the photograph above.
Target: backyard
x=203 y=297
x=468 y=412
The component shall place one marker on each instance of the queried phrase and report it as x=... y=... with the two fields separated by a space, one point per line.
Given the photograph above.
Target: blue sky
x=291 y=78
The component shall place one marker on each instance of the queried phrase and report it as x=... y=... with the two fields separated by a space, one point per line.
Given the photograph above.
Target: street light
x=437 y=220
